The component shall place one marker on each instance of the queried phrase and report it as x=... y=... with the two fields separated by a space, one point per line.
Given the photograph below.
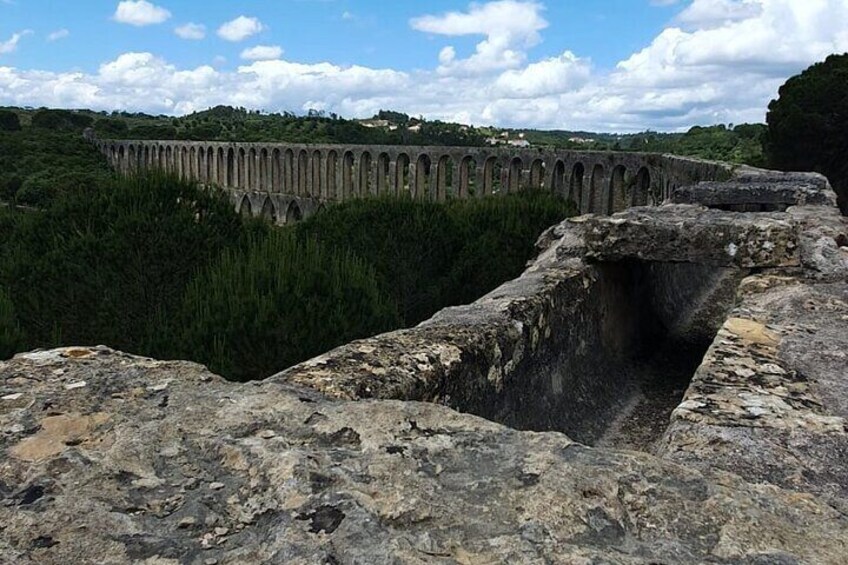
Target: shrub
x=97 y=266
x=429 y=255
x=277 y=302
x=9 y=121
x=11 y=338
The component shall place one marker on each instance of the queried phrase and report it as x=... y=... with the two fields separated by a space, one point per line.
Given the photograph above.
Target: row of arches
x=337 y=173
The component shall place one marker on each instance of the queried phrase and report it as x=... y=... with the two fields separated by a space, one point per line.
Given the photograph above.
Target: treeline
x=741 y=144
x=44 y=154
x=160 y=267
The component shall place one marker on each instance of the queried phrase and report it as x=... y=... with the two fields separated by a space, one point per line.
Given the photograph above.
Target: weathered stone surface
x=770 y=399
x=823 y=241
x=766 y=195
x=683 y=233
x=161 y=462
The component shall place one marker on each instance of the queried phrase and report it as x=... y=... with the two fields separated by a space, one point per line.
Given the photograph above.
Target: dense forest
x=158 y=266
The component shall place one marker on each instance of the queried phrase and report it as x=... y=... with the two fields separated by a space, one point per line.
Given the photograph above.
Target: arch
x=467 y=185
x=252 y=172
x=268 y=211
x=146 y=157
x=293 y=212
x=210 y=166
x=596 y=189
x=383 y=172
x=244 y=209
x=537 y=175
x=302 y=172
x=331 y=165
x=121 y=162
x=402 y=170
x=288 y=172
x=514 y=181
x=276 y=170
x=642 y=188
x=347 y=175
x=491 y=176
x=242 y=169
x=264 y=177
x=232 y=176
x=445 y=178
x=132 y=165
x=617 y=199
x=162 y=160
x=192 y=168
x=169 y=163
x=364 y=187
x=183 y=165
x=422 y=176
x=558 y=178
x=575 y=185
x=315 y=174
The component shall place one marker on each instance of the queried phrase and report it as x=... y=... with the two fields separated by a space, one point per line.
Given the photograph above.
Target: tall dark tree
x=9 y=121
x=808 y=124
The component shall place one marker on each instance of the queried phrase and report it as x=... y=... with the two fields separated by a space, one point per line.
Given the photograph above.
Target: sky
x=597 y=65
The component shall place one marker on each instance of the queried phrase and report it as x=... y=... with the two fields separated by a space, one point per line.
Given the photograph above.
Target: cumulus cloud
x=262 y=53
x=140 y=13
x=509 y=26
x=721 y=61
x=58 y=34
x=191 y=31
x=240 y=28
x=11 y=44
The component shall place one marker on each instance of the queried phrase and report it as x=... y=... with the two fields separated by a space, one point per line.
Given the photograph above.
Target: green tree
x=275 y=303
x=808 y=124
x=11 y=338
x=9 y=121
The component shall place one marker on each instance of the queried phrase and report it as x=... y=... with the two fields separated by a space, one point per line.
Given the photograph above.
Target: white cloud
x=58 y=34
x=262 y=53
x=191 y=31
x=704 y=14
x=240 y=28
x=140 y=13
x=510 y=27
x=11 y=44
x=705 y=70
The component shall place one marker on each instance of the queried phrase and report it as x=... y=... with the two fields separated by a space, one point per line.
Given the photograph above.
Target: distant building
x=374 y=123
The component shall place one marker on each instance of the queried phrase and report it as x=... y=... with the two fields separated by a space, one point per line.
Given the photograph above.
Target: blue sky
x=613 y=65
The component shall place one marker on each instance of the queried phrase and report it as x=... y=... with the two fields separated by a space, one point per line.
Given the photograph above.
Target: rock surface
x=694 y=234
x=111 y=458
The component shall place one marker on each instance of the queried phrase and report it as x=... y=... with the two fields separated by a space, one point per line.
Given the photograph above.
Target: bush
x=9 y=121
x=275 y=303
x=428 y=255
x=98 y=266
x=11 y=338
x=60 y=120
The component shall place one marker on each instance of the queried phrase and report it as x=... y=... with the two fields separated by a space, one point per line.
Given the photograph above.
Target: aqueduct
x=285 y=182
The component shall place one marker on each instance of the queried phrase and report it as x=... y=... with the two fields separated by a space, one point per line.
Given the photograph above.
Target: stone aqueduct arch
x=285 y=181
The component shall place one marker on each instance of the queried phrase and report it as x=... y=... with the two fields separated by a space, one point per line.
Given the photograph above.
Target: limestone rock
x=162 y=462
x=683 y=233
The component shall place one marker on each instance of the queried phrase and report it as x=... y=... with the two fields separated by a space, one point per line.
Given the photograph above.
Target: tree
x=808 y=124
x=9 y=121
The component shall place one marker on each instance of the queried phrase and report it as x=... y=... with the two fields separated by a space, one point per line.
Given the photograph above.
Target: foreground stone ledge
x=110 y=458
x=695 y=234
